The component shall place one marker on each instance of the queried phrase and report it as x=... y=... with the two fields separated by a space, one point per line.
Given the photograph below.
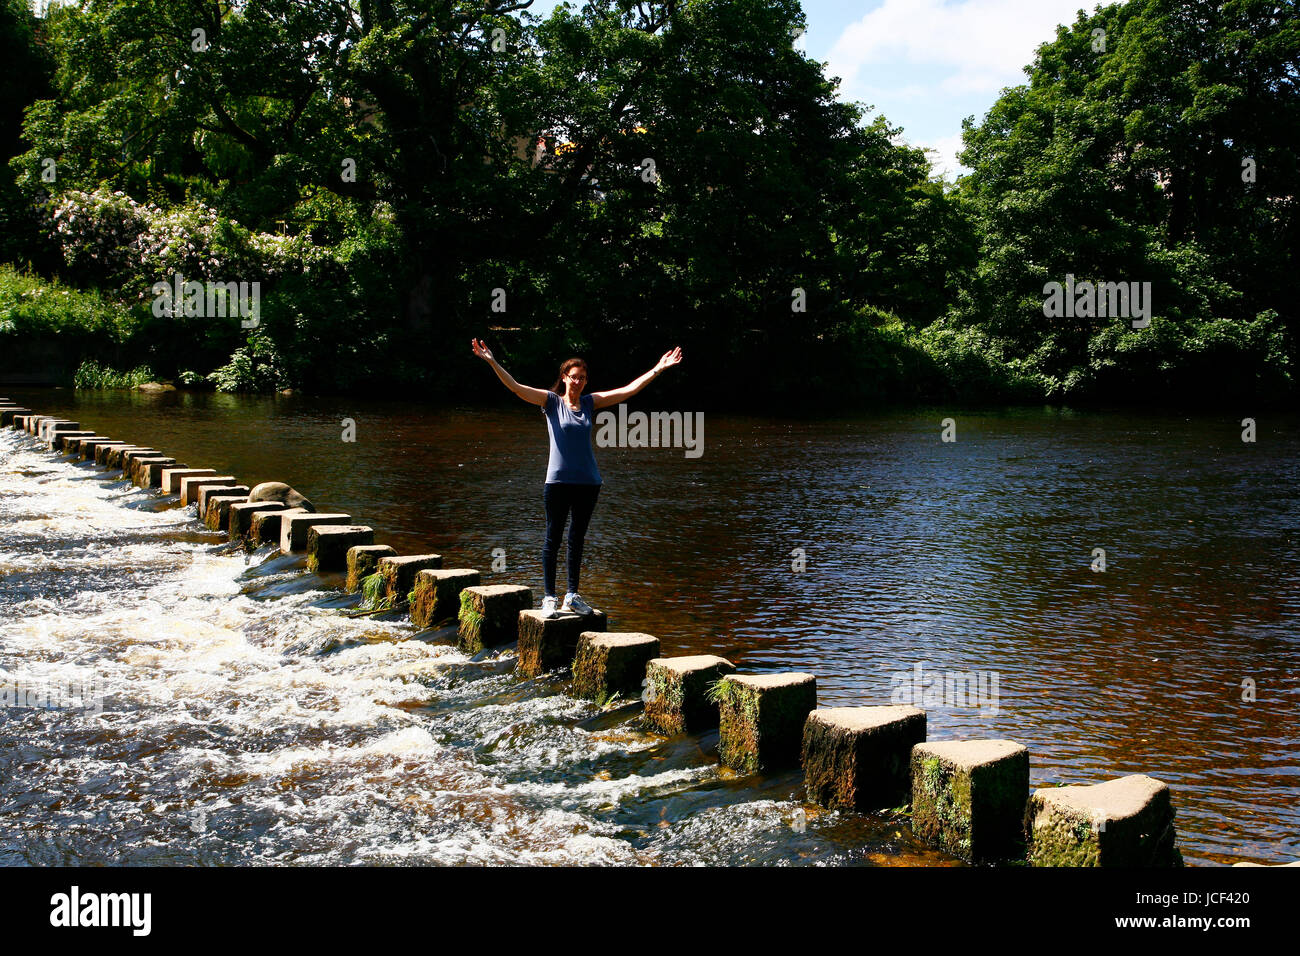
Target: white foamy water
x=237 y=719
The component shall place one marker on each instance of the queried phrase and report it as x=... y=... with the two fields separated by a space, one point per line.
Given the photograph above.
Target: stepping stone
x=327 y=545
x=437 y=594
x=143 y=477
x=217 y=517
x=1248 y=863
x=267 y=525
x=131 y=455
x=50 y=429
x=859 y=758
x=42 y=423
x=8 y=415
x=968 y=797
x=191 y=485
x=243 y=512
x=548 y=643
x=206 y=492
x=59 y=440
x=489 y=614
x=116 y=459
x=91 y=449
x=1120 y=823
x=761 y=719
x=102 y=451
x=399 y=573
x=127 y=456
x=363 y=561
x=293 y=528
x=171 y=478
x=72 y=445
x=677 y=692
x=610 y=664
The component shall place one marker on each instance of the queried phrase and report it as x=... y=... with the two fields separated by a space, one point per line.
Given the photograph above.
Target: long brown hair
x=559 y=388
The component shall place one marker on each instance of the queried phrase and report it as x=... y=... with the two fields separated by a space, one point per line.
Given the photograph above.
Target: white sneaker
x=576 y=604
x=548 y=607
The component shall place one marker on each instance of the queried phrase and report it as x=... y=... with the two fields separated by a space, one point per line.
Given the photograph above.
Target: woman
x=572 y=479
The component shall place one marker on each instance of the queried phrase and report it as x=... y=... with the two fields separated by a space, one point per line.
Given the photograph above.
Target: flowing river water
x=246 y=719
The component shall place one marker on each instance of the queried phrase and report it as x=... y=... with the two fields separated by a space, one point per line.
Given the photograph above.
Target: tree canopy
x=401 y=175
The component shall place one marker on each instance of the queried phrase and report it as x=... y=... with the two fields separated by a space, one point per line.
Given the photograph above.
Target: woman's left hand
x=669 y=358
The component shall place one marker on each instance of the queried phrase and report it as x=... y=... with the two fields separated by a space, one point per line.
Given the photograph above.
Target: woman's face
x=575 y=380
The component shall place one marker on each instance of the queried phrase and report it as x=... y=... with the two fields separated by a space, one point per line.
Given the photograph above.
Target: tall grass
x=90 y=374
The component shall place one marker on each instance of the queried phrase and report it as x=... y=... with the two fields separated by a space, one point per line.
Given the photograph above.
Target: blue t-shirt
x=572 y=459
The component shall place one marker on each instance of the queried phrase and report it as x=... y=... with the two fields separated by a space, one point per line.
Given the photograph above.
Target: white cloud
x=943 y=156
x=970 y=45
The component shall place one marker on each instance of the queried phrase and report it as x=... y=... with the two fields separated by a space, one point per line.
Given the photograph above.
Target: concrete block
x=548 y=643
x=8 y=415
x=677 y=692
x=59 y=440
x=52 y=428
x=171 y=478
x=126 y=460
x=437 y=594
x=36 y=425
x=610 y=664
x=207 y=491
x=859 y=758
x=293 y=528
x=242 y=514
x=90 y=447
x=1125 y=822
x=969 y=796
x=363 y=561
x=327 y=545
x=72 y=443
x=141 y=475
x=102 y=450
x=761 y=718
x=191 y=485
x=399 y=573
x=266 y=526
x=217 y=515
x=489 y=615
x=116 y=457
x=1249 y=863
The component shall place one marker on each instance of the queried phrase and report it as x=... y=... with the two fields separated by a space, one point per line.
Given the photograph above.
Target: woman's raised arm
x=613 y=397
x=534 y=396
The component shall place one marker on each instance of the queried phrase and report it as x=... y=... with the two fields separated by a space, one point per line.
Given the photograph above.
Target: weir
x=968 y=798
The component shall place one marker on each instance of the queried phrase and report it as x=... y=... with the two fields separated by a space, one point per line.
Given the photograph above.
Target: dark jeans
x=559 y=499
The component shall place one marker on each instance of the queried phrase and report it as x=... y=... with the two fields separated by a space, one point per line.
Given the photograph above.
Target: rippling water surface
x=248 y=719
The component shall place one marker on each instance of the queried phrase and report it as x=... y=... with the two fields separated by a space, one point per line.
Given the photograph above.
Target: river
x=246 y=719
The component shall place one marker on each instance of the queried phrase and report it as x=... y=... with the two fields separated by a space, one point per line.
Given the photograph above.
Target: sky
x=925 y=64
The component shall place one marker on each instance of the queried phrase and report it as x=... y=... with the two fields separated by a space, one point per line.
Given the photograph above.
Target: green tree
x=1125 y=158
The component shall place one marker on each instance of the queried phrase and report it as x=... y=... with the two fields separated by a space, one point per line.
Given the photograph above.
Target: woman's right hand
x=481 y=350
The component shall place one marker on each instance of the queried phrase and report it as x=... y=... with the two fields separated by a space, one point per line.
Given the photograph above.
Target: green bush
x=31 y=307
x=254 y=367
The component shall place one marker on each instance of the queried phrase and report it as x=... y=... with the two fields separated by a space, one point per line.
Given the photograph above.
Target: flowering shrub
x=109 y=237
